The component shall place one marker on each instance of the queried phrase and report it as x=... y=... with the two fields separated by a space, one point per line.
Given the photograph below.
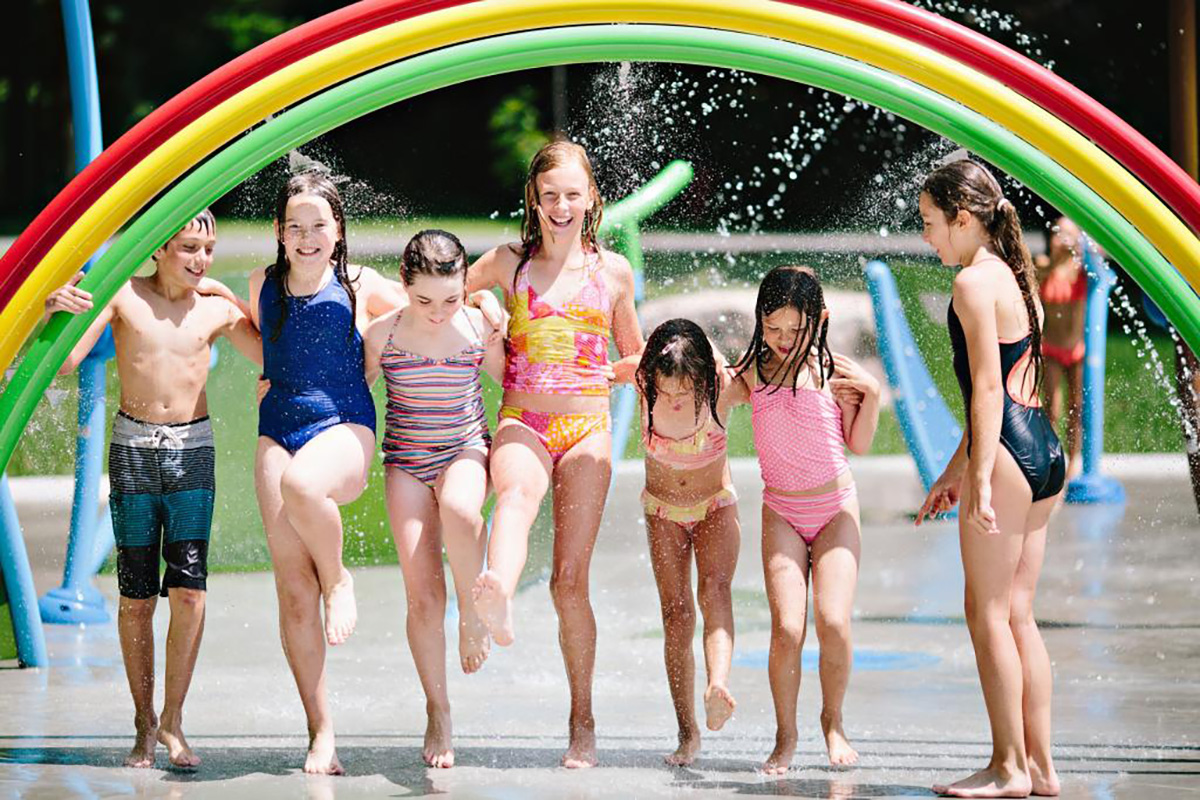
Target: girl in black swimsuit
x=1008 y=471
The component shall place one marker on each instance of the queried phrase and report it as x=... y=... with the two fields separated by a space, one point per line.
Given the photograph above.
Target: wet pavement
x=1119 y=604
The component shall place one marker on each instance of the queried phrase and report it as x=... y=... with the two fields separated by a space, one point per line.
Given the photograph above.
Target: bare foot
x=685 y=754
x=341 y=613
x=322 y=756
x=144 y=743
x=494 y=607
x=718 y=706
x=438 y=752
x=988 y=783
x=170 y=734
x=581 y=750
x=781 y=757
x=474 y=644
x=841 y=754
x=1044 y=780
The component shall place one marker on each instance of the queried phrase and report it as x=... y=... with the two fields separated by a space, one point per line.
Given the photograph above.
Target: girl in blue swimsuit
x=316 y=429
x=1008 y=470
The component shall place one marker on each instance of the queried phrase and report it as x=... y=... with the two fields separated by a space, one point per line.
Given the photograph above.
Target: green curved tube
x=646 y=201
x=586 y=44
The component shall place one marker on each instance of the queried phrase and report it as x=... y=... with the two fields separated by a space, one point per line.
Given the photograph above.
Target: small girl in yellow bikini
x=691 y=508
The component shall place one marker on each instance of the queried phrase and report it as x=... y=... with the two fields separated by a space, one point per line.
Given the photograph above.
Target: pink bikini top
x=705 y=446
x=798 y=437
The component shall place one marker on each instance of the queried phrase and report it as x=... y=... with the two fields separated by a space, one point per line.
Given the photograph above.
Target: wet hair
x=679 y=349
x=790 y=286
x=319 y=185
x=433 y=252
x=205 y=221
x=551 y=156
x=965 y=185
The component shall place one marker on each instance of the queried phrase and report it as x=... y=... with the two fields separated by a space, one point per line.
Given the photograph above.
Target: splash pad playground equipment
x=932 y=72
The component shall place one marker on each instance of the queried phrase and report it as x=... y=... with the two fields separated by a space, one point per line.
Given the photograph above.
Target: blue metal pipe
x=18 y=584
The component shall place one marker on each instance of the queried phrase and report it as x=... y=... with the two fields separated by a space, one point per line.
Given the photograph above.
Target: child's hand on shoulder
x=69 y=298
x=486 y=302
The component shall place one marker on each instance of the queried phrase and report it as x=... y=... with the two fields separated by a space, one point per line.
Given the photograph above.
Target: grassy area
x=1139 y=417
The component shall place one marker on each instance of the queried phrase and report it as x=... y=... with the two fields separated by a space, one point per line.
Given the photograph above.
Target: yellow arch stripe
x=491 y=17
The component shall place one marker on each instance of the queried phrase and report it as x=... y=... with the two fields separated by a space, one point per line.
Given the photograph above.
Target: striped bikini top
x=558 y=350
x=433 y=402
x=703 y=447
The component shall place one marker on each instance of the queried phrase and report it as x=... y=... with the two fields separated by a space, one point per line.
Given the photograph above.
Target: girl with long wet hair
x=1007 y=473
x=566 y=296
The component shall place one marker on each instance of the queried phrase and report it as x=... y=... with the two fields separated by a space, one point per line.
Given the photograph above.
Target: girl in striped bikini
x=435 y=451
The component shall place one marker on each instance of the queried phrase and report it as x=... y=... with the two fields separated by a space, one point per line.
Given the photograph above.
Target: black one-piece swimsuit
x=1025 y=431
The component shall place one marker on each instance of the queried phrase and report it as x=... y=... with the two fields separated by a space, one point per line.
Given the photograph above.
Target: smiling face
x=309 y=231
x=564 y=196
x=185 y=258
x=781 y=331
x=436 y=298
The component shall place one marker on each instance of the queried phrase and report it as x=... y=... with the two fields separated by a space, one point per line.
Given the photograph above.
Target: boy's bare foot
x=718 y=706
x=145 y=740
x=170 y=733
x=322 y=756
x=841 y=754
x=438 y=751
x=689 y=746
x=781 y=757
x=341 y=612
x=494 y=607
x=1044 y=780
x=581 y=749
x=988 y=782
x=474 y=643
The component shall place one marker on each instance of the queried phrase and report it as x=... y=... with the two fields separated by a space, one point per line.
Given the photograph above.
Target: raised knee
x=295 y=489
x=517 y=494
x=459 y=515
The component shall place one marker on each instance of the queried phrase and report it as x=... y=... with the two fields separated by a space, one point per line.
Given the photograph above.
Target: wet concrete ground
x=1119 y=605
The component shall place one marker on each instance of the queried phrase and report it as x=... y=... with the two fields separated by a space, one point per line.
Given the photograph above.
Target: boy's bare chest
x=165 y=328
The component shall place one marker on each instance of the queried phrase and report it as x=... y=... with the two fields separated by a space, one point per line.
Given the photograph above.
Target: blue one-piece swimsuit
x=315 y=365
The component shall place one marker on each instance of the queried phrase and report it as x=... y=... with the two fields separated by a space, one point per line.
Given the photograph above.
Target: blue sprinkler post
x=90 y=538
x=1091 y=486
x=18 y=585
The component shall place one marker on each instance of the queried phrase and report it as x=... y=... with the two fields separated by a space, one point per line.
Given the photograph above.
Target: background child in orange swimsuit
x=690 y=508
x=435 y=449
x=565 y=295
x=1062 y=282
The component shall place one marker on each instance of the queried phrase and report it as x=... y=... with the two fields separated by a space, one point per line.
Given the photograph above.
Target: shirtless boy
x=161 y=462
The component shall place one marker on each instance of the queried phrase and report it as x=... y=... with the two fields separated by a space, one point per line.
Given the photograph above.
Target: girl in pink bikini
x=565 y=296
x=691 y=508
x=808 y=404
x=435 y=450
x=1062 y=283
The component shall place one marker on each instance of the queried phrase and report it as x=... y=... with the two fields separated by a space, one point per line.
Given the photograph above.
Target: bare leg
x=330 y=470
x=183 y=645
x=785 y=566
x=1035 y=662
x=671 y=558
x=1075 y=420
x=460 y=494
x=520 y=469
x=835 y=557
x=717 y=542
x=299 y=592
x=580 y=489
x=135 y=626
x=415 y=527
x=990 y=564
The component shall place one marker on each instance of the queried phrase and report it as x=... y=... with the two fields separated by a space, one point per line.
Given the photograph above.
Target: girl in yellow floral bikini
x=565 y=296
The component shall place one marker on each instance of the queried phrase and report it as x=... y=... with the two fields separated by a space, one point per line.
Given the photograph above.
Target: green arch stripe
x=529 y=50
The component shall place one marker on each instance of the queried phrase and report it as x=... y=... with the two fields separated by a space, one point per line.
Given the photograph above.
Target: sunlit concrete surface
x=1119 y=605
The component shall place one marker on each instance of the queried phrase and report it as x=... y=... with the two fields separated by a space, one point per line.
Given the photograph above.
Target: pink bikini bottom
x=808 y=514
